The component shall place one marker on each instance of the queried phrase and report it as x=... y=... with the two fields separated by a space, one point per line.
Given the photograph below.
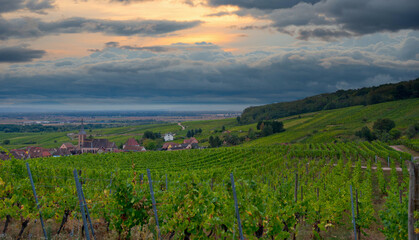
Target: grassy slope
x=326 y=126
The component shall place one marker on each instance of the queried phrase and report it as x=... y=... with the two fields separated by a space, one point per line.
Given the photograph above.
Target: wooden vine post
x=413 y=199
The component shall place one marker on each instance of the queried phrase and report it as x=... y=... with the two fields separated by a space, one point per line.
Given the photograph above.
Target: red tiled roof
x=67 y=145
x=46 y=154
x=132 y=142
x=134 y=148
x=190 y=140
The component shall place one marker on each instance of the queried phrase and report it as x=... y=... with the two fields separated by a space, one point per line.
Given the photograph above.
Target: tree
x=6 y=142
x=223 y=128
x=412 y=130
x=275 y=126
x=150 y=144
x=214 y=142
x=366 y=134
x=157 y=135
x=267 y=130
x=232 y=139
x=149 y=135
x=238 y=119
x=383 y=125
x=251 y=133
x=395 y=134
x=217 y=141
x=211 y=141
x=258 y=125
x=189 y=134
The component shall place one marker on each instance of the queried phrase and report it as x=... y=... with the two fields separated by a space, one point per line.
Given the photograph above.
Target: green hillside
x=341 y=124
x=336 y=100
x=321 y=126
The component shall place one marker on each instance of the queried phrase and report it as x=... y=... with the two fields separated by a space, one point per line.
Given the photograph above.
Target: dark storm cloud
x=32 y=27
x=260 y=4
x=32 y=5
x=19 y=54
x=322 y=33
x=205 y=75
x=332 y=19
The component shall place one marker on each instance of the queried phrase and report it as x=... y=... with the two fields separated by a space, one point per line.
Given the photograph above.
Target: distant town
x=95 y=146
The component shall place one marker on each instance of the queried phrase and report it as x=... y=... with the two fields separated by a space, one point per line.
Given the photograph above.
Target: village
x=95 y=146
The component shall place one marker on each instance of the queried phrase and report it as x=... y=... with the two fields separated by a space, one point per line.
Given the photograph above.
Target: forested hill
x=339 y=99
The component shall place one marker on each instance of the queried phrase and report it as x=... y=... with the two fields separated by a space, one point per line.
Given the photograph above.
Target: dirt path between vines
x=402 y=148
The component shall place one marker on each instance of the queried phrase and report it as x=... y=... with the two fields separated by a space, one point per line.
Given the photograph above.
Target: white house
x=168 y=137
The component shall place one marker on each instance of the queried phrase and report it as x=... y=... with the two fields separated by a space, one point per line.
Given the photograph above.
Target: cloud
x=150 y=48
x=251 y=27
x=409 y=49
x=19 y=54
x=219 y=14
x=93 y=50
x=33 y=27
x=322 y=33
x=260 y=4
x=129 y=1
x=37 y=6
x=112 y=44
x=332 y=19
x=63 y=63
x=203 y=73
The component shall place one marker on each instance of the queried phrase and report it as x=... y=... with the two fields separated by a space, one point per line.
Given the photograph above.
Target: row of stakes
x=87 y=222
x=86 y=216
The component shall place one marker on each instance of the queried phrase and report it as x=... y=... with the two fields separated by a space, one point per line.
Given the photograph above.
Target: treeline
x=193 y=132
x=12 y=128
x=339 y=99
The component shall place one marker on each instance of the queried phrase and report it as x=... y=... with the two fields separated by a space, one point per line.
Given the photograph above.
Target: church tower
x=82 y=135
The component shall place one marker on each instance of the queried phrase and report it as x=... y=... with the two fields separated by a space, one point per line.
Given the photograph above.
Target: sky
x=199 y=54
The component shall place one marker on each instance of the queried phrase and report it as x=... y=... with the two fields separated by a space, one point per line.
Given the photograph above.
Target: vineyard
x=298 y=191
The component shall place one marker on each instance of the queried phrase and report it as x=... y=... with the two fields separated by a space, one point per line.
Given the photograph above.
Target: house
x=133 y=146
x=168 y=137
x=19 y=153
x=170 y=145
x=37 y=152
x=184 y=146
x=68 y=146
x=4 y=156
x=190 y=140
x=94 y=145
x=57 y=152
